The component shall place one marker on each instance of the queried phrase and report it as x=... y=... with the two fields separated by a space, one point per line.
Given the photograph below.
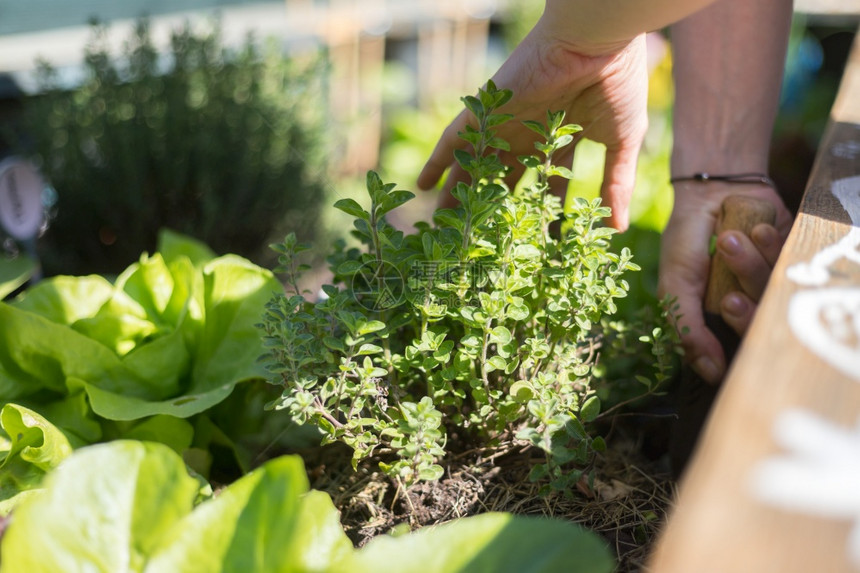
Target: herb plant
x=486 y=324
x=220 y=144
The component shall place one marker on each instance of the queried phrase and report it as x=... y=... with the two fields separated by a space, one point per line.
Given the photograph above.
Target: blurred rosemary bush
x=222 y=145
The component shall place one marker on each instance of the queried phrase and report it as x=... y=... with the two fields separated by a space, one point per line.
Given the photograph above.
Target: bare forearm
x=599 y=26
x=728 y=62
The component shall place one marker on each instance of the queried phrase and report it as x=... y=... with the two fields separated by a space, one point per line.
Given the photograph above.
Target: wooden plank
x=802 y=352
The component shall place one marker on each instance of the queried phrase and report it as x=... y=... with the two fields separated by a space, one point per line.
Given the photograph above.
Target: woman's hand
x=685 y=261
x=605 y=93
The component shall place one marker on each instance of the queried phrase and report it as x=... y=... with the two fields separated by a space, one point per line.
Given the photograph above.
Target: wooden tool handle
x=737 y=213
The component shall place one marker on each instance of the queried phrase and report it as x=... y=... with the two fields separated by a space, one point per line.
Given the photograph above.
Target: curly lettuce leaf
x=487 y=542
x=105 y=509
x=30 y=446
x=128 y=506
x=174 y=246
x=173 y=336
x=14 y=273
x=65 y=299
x=266 y=521
x=235 y=294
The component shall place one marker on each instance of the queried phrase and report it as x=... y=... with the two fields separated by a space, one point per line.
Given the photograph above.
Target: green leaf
x=501 y=335
x=369 y=349
x=527 y=251
x=496 y=363
x=266 y=521
x=488 y=542
x=119 y=406
x=74 y=417
x=120 y=324
x=173 y=432
x=474 y=105
x=590 y=409
x=568 y=129
x=370 y=326
x=351 y=207
x=174 y=246
x=334 y=343
x=14 y=273
x=521 y=392
x=30 y=446
x=498 y=119
x=150 y=284
x=499 y=143
x=65 y=300
x=536 y=127
x=394 y=200
x=463 y=158
x=128 y=506
x=235 y=294
x=348 y=268
x=560 y=171
x=431 y=472
x=36 y=353
x=105 y=509
x=562 y=141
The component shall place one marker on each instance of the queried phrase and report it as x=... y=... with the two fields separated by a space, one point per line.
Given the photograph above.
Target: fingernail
x=706 y=368
x=734 y=305
x=729 y=244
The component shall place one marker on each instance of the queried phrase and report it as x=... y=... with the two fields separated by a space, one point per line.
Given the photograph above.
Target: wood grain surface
x=718 y=524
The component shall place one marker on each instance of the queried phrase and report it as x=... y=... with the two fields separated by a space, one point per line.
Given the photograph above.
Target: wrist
x=690 y=157
x=707 y=196
x=560 y=25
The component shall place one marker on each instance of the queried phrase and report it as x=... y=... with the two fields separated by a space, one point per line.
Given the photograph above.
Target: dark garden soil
x=627 y=503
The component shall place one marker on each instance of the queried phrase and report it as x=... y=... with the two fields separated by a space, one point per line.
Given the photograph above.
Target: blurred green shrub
x=221 y=145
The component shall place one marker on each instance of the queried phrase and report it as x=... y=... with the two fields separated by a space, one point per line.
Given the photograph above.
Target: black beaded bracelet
x=739 y=178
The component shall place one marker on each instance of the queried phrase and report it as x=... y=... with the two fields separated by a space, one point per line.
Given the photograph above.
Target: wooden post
x=355 y=94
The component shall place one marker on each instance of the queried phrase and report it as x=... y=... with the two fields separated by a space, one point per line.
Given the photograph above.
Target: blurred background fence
x=390 y=78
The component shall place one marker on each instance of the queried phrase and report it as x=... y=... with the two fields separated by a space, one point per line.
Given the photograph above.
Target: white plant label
x=21 y=186
x=819 y=473
x=846 y=149
x=817 y=271
x=827 y=320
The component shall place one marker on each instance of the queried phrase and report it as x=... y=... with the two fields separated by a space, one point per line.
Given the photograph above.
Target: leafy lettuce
x=169 y=339
x=30 y=446
x=131 y=506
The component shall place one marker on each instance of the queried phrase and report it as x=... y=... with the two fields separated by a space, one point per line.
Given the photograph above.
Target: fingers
x=751 y=259
x=619 y=178
x=702 y=349
x=457 y=174
x=768 y=241
x=745 y=262
x=737 y=310
x=443 y=154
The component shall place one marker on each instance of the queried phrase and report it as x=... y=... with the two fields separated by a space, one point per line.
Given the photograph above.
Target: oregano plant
x=484 y=323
